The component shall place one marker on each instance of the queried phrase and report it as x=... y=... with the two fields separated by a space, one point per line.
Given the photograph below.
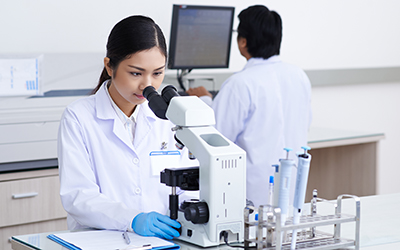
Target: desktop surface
x=380 y=226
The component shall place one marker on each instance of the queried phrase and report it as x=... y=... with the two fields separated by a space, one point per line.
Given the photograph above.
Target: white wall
x=370 y=108
x=318 y=34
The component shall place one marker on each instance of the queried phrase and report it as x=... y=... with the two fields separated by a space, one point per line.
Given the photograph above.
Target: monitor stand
x=189 y=81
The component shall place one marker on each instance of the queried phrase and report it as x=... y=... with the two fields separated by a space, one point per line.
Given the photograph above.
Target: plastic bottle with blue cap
x=271 y=191
x=276 y=184
x=303 y=168
x=285 y=172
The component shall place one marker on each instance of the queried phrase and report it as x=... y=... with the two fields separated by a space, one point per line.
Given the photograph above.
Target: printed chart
x=20 y=77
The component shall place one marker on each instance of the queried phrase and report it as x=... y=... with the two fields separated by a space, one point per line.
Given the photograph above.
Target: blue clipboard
x=62 y=242
x=73 y=247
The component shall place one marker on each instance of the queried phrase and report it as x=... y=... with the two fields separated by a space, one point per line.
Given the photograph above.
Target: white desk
x=379 y=226
x=343 y=162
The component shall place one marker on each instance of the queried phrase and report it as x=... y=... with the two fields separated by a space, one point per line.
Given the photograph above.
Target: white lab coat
x=264 y=108
x=106 y=180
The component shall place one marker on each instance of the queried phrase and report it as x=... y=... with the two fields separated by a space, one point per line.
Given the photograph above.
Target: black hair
x=262 y=29
x=129 y=36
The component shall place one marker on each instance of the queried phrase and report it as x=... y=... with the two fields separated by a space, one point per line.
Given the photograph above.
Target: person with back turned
x=267 y=105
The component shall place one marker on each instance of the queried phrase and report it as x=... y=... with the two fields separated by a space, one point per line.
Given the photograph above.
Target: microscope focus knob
x=197 y=213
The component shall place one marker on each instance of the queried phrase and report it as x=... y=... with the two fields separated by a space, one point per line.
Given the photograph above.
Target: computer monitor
x=200 y=37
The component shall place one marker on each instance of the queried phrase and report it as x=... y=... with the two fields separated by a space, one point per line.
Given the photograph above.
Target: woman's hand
x=155 y=224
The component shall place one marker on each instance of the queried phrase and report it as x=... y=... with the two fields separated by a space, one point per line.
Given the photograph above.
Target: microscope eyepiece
x=156 y=102
x=168 y=93
x=159 y=103
x=149 y=91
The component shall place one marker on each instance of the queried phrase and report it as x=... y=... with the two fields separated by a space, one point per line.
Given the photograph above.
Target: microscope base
x=198 y=234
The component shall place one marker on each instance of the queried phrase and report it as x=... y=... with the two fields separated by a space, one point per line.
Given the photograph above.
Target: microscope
x=217 y=216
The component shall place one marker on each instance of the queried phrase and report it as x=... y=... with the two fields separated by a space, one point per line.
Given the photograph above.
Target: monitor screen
x=200 y=37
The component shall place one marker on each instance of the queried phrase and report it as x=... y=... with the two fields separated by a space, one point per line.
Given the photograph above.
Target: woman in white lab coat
x=106 y=139
x=267 y=105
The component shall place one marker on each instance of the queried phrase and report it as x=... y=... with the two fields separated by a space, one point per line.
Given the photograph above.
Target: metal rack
x=279 y=237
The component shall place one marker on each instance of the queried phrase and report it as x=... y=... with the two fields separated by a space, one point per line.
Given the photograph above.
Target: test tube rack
x=278 y=237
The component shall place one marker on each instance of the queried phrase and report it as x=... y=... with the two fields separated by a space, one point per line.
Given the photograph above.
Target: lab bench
x=343 y=162
x=378 y=228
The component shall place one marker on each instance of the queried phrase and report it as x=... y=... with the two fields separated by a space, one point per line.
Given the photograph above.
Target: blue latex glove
x=155 y=224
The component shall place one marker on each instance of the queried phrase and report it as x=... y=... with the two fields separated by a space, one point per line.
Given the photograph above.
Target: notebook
x=109 y=240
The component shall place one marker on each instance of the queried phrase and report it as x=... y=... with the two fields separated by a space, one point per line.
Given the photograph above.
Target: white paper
x=109 y=240
x=20 y=76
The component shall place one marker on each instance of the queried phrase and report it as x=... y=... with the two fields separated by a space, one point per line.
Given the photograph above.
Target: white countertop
x=329 y=137
x=379 y=223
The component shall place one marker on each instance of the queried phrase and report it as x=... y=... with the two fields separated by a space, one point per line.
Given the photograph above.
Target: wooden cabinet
x=343 y=162
x=30 y=203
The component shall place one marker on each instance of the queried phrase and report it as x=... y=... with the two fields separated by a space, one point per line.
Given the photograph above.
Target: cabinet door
x=33 y=228
x=30 y=200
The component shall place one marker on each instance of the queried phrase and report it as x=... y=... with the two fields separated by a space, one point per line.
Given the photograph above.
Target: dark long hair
x=262 y=29
x=129 y=36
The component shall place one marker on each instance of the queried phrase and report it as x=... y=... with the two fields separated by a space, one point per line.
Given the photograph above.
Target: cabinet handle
x=26 y=195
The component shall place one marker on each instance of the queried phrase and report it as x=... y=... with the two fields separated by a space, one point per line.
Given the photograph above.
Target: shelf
x=308 y=221
x=279 y=237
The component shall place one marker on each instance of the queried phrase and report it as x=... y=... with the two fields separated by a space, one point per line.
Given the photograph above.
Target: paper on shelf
x=21 y=76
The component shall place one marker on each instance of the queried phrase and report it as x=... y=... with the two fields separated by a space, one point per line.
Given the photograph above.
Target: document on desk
x=109 y=240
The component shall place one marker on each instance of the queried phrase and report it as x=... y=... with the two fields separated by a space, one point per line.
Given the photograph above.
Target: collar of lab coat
x=258 y=60
x=105 y=111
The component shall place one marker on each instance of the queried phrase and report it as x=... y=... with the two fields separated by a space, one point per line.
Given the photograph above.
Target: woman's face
x=133 y=75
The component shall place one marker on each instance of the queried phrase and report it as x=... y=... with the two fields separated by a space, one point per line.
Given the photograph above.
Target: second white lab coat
x=106 y=180
x=264 y=108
